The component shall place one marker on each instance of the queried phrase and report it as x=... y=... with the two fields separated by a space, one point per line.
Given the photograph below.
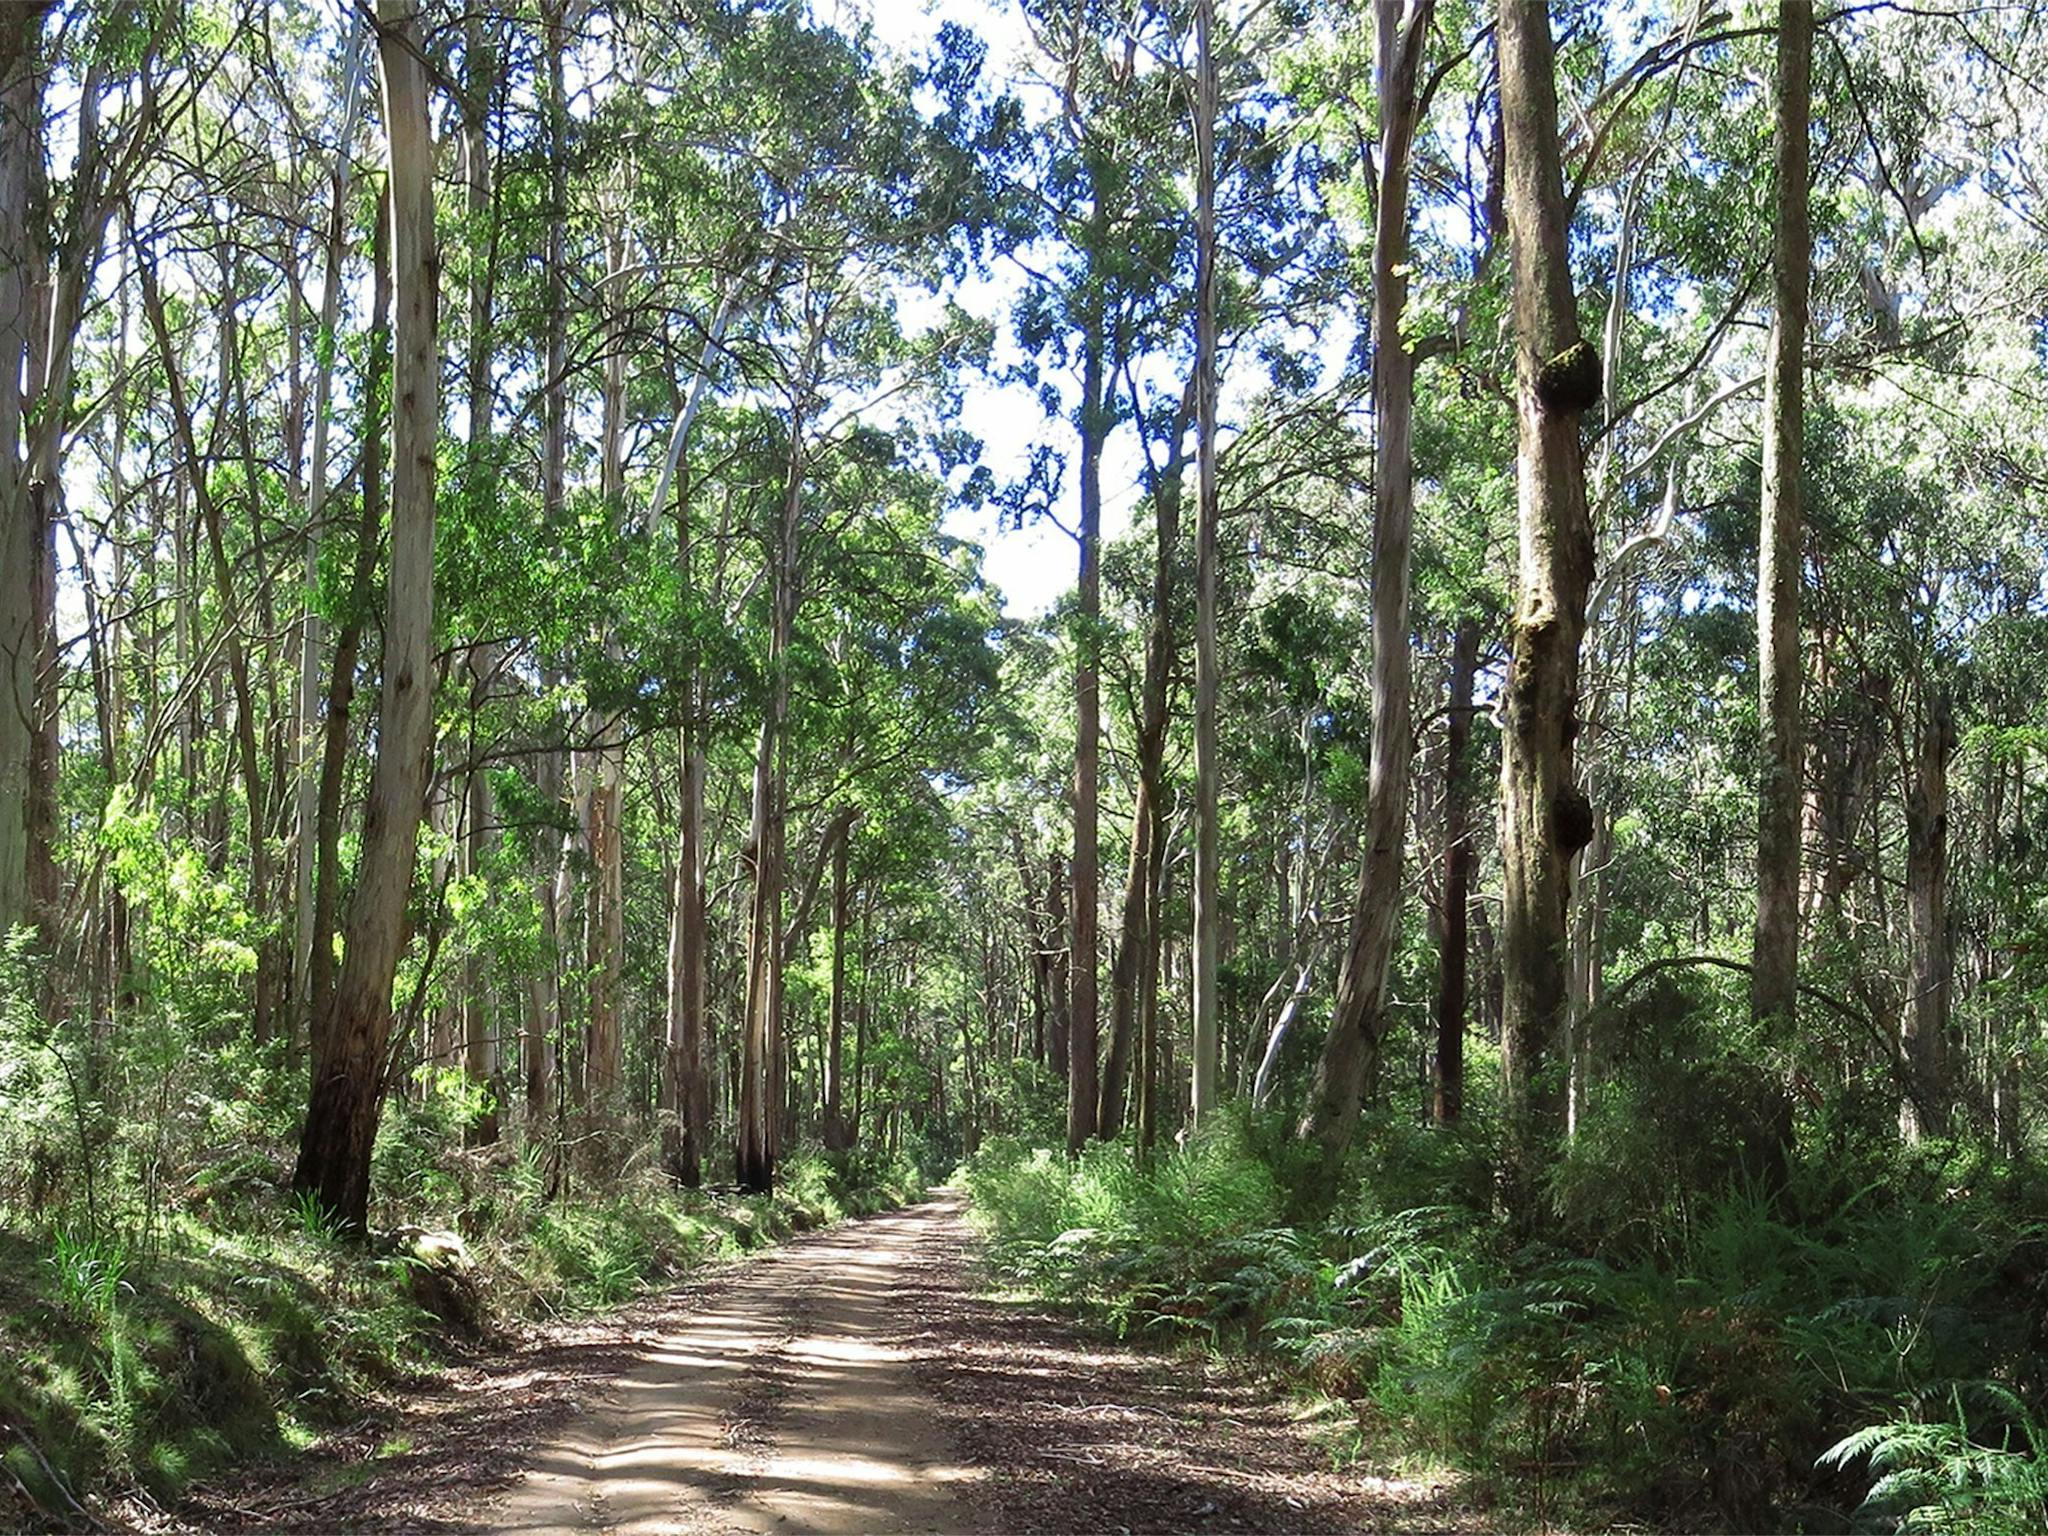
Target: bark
x=545 y=1067
x=1083 y=1021
x=684 y=1059
x=1447 y=1064
x=341 y=686
x=312 y=639
x=1137 y=952
x=1351 y=1050
x=22 y=537
x=479 y=1043
x=352 y=1033
x=760 y=1046
x=1924 y=1022
x=607 y=795
x=1133 y=953
x=1208 y=810
x=544 y=986
x=1774 y=952
x=835 y=1030
x=688 y=1086
x=1059 y=941
x=1546 y=818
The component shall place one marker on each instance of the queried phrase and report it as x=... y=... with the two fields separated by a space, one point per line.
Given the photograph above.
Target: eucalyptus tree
x=352 y=1033
x=1078 y=194
x=121 y=66
x=1402 y=31
x=1774 y=979
x=879 y=195
x=1545 y=819
x=1208 y=799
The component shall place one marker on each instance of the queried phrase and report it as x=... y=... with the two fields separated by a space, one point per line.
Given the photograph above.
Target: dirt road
x=788 y=1405
x=853 y=1380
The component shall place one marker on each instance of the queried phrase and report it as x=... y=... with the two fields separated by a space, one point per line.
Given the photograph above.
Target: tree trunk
x=1137 y=938
x=479 y=1043
x=1159 y=875
x=1447 y=1066
x=544 y=985
x=546 y=1066
x=1208 y=810
x=685 y=1137
x=1059 y=941
x=353 y=1030
x=341 y=688
x=607 y=793
x=312 y=638
x=1082 y=1016
x=1774 y=953
x=1357 y=1021
x=1546 y=818
x=685 y=1037
x=22 y=537
x=760 y=1051
x=1127 y=969
x=835 y=1036
x=1923 y=1025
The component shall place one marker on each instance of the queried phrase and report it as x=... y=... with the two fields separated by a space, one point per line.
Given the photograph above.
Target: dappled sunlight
x=790 y=1407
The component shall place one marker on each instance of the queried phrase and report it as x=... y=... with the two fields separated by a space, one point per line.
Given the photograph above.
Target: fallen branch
x=56 y=1481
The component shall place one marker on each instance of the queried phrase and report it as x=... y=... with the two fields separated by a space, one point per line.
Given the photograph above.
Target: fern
x=1936 y=1475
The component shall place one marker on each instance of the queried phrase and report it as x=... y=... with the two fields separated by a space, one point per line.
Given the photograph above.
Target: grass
x=240 y=1328
x=1857 y=1350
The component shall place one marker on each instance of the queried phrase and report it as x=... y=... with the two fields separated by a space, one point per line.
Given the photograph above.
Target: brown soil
x=852 y=1381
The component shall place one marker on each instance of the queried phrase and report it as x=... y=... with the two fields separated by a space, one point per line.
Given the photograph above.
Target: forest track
x=851 y=1380
x=790 y=1404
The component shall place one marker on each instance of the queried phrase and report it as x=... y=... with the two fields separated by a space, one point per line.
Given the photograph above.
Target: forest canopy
x=1510 y=856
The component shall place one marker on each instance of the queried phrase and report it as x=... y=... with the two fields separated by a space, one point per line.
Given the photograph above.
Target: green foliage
x=1943 y=1474
x=89 y=1272
x=248 y=1326
x=1705 y=1352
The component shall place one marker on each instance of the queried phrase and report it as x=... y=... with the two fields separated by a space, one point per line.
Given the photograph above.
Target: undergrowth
x=1857 y=1351
x=168 y=1309
x=240 y=1326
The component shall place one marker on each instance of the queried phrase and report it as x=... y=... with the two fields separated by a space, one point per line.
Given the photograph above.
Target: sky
x=1035 y=565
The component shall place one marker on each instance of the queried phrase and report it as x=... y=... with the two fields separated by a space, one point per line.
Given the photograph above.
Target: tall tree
x=21 y=536
x=1351 y=1049
x=352 y=1033
x=1083 y=1020
x=1774 y=971
x=1208 y=936
x=312 y=636
x=1545 y=817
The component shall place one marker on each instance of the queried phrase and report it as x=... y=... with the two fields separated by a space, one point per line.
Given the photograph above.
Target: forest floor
x=853 y=1380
